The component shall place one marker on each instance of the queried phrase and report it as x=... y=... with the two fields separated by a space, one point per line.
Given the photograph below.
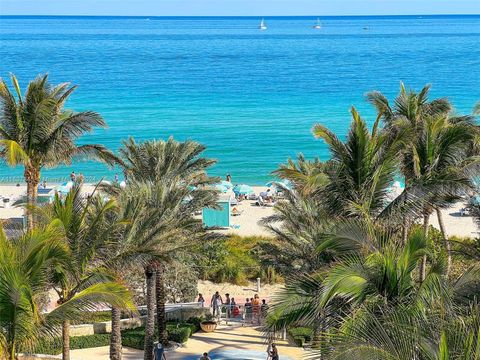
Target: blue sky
x=237 y=7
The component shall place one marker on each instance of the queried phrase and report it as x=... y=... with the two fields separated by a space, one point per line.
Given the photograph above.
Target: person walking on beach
x=264 y=309
x=216 y=304
x=228 y=178
x=160 y=352
x=274 y=353
x=248 y=310
x=228 y=304
x=201 y=300
x=73 y=176
x=81 y=178
x=256 y=309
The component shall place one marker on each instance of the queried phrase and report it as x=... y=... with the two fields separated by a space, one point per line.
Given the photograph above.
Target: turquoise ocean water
x=250 y=96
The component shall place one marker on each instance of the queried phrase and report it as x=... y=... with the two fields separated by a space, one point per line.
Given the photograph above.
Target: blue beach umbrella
x=221 y=188
x=280 y=184
x=227 y=184
x=243 y=189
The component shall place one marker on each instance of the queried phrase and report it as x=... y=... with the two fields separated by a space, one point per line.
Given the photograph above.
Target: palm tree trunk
x=66 y=340
x=405 y=230
x=32 y=178
x=116 y=335
x=11 y=351
x=161 y=299
x=150 y=323
x=423 y=265
x=317 y=337
x=445 y=239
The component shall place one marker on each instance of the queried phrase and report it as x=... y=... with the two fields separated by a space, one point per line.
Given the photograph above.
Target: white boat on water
x=318 y=25
x=262 y=25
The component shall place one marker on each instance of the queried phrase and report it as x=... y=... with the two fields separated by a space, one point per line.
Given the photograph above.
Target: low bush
x=54 y=346
x=305 y=333
x=134 y=338
x=195 y=321
x=180 y=334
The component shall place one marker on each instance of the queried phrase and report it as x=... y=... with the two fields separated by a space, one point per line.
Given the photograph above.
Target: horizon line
x=232 y=16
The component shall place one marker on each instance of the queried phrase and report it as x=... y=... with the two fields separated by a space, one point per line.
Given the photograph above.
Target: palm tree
x=372 y=279
x=412 y=108
x=361 y=168
x=176 y=174
x=87 y=234
x=402 y=333
x=136 y=241
x=308 y=176
x=413 y=113
x=299 y=224
x=439 y=168
x=25 y=265
x=128 y=246
x=36 y=130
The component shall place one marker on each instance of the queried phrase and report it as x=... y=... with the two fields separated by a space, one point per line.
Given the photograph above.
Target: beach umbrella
x=227 y=184
x=67 y=185
x=221 y=188
x=243 y=189
x=286 y=184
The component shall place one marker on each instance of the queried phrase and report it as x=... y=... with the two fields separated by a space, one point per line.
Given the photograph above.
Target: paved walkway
x=227 y=342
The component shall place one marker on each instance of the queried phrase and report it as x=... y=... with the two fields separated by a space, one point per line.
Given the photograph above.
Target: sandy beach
x=247 y=223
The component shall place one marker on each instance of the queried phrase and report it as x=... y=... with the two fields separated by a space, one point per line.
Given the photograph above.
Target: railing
x=176 y=306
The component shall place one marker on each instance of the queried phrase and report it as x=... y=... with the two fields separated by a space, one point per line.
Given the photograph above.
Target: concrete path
x=227 y=342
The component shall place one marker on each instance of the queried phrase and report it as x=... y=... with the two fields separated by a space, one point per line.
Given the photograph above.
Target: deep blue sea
x=250 y=96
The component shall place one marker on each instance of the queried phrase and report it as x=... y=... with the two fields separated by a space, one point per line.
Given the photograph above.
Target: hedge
x=54 y=346
x=134 y=338
x=300 y=335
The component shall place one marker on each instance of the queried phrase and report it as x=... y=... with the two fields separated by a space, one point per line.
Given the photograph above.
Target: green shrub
x=196 y=321
x=54 y=346
x=304 y=332
x=134 y=338
x=180 y=334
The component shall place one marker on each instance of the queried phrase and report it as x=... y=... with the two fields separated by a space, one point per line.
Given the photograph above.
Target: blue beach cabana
x=218 y=218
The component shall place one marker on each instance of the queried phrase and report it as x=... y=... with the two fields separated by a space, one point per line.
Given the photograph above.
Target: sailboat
x=262 y=25
x=317 y=25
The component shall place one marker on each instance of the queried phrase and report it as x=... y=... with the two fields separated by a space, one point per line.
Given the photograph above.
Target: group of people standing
x=254 y=310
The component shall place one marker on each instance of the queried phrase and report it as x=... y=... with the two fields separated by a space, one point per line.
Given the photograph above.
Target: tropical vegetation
x=367 y=276
x=371 y=282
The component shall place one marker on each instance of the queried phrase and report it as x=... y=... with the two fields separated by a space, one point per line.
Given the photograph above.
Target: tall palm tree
x=25 y=267
x=86 y=231
x=410 y=113
x=361 y=168
x=440 y=168
x=146 y=217
x=37 y=131
x=176 y=173
x=412 y=108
